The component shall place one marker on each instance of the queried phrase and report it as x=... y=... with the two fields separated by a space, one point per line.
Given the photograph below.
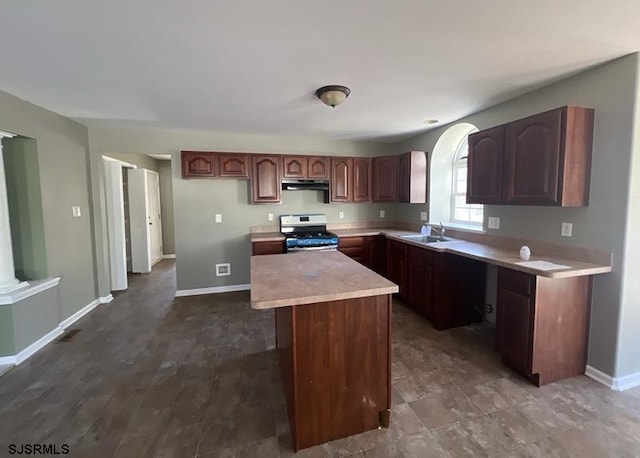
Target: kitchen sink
x=426 y=238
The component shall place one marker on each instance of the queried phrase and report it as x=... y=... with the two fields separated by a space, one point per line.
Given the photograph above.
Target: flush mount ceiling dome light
x=333 y=95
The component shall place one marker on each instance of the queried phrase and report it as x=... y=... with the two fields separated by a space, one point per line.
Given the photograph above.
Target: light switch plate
x=423 y=216
x=76 y=211
x=567 y=229
x=270 y=216
x=494 y=222
x=381 y=213
x=218 y=218
x=341 y=215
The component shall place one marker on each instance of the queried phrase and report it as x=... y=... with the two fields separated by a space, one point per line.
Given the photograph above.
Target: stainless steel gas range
x=307 y=233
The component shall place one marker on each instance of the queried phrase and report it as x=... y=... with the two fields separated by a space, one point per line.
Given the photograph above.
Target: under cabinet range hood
x=289 y=184
x=303 y=185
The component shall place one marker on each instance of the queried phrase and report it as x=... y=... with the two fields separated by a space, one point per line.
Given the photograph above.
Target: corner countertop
x=282 y=280
x=267 y=237
x=492 y=254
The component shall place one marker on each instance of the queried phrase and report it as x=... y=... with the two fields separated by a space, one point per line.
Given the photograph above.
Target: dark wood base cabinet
x=542 y=324
x=268 y=247
x=367 y=250
x=335 y=363
x=446 y=289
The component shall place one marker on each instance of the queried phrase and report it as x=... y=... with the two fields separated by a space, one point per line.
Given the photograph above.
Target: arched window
x=461 y=211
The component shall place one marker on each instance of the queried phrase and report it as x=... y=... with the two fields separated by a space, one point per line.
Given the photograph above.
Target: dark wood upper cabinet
x=294 y=167
x=265 y=181
x=233 y=165
x=485 y=166
x=385 y=179
x=545 y=159
x=198 y=164
x=318 y=167
x=341 y=179
x=532 y=151
x=413 y=172
x=361 y=179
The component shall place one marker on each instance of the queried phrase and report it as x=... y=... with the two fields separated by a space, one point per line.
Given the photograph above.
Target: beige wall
x=166 y=202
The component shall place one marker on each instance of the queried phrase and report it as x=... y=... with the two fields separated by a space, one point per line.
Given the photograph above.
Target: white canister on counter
x=525 y=253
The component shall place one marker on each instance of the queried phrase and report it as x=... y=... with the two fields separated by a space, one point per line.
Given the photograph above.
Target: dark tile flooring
x=150 y=375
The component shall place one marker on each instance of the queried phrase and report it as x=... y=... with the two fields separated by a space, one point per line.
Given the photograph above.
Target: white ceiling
x=253 y=66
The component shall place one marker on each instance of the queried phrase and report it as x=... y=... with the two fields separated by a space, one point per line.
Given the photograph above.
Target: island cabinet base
x=335 y=363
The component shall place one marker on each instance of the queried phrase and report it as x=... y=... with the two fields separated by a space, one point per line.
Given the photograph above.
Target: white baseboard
x=79 y=314
x=38 y=345
x=212 y=290
x=57 y=331
x=168 y=256
x=615 y=383
x=7 y=360
x=106 y=299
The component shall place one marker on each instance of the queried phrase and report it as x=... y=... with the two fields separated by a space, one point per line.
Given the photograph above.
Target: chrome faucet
x=440 y=231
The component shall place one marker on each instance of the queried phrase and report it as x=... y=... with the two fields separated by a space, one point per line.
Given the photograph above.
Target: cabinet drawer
x=349 y=242
x=518 y=282
x=420 y=254
x=270 y=247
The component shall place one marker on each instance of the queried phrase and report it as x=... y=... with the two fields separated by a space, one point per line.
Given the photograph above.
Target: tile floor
x=150 y=375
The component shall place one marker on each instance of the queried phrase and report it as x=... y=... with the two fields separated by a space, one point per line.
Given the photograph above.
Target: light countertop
x=492 y=254
x=506 y=257
x=282 y=280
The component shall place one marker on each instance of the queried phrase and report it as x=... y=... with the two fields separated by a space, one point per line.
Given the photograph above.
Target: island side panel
x=284 y=344
x=360 y=357
x=342 y=368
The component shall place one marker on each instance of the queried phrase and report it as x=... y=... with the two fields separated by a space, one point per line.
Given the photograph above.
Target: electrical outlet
x=381 y=213
x=76 y=211
x=341 y=215
x=488 y=308
x=494 y=222
x=270 y=216
x=423 y=216
x=567 y=229
x=223 y=270
x=218 y=218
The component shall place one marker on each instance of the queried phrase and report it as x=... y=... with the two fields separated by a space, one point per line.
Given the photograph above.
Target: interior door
x=139 y=221
x=115 y=225
x=154 y=216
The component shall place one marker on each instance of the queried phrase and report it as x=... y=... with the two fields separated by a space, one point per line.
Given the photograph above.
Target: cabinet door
x=352 y=247
x=265 y=179
x=420 y=281
x=198 y=164
x=318 y=167
x=413 y=170
x=385 y=179
x=294 y=167
x=514 y=329
x=341 y=179
x=533 y=155
x=397 y=263
x=485 y=166
x=361 y=179
x=233 y=165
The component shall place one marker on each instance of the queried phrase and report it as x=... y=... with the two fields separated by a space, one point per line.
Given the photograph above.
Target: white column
x=8 y=280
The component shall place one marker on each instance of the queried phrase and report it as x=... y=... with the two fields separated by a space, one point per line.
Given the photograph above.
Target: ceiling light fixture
x=333 y=95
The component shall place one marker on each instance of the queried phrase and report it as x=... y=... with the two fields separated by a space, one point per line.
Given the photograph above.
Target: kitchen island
x=333 y=335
